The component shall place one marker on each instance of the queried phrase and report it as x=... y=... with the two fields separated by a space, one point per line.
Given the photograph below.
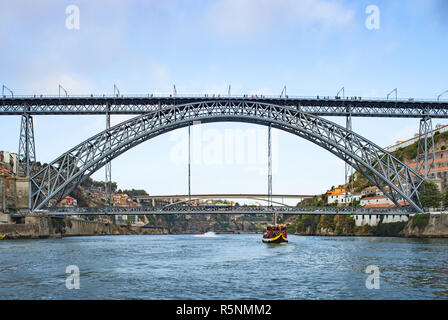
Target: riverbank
x=37 y=227
x=41 y=226
x=418 y=226
x=427 y=226
x=434 y=225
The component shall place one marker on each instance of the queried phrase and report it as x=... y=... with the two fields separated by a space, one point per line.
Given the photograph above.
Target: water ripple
x=225 y=267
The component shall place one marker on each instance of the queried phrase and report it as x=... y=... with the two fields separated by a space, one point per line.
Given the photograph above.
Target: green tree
x=445 y=198
x=356 y=203
x=430 y=195
x=135 y=192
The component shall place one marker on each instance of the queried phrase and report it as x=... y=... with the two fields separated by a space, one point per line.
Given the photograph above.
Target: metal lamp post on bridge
x=438 y=97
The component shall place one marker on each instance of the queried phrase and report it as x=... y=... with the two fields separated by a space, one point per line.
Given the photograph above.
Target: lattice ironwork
x=393 y=177
x=27 y=149
x=426 y=157
x=185 y=209
x=108 y=170
x=142 y=104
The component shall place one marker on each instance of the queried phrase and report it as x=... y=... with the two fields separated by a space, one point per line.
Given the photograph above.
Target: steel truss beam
x=62 y=175
x=27 y=149
x=185 y=209
x=348 y=169
x=140 y=104
x=108 y=170
x=269 y=167
x=426 y=157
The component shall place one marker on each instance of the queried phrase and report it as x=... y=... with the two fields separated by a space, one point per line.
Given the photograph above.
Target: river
x=224 y=267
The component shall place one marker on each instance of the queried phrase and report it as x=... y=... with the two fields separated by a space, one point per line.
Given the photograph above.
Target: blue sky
x=314 y=47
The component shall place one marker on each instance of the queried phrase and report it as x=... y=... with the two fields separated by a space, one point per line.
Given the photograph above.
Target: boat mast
x=269 y=168
x=270 y=174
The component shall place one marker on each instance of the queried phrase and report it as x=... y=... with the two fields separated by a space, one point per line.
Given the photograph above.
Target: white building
x=123 y=219
x=8 y=161
x=371 y=192
x=374 y=219
x=402 y=144
x=342 y=198
x=376 y=200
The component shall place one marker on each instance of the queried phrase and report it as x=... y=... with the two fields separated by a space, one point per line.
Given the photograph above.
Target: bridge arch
x=61 y=176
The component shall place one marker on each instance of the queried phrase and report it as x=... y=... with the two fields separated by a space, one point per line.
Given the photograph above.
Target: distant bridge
x=253 y=196
x=224 y=209
x=225 y=196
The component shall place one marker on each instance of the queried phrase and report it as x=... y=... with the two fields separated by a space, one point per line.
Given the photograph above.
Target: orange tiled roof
x=336 y=192
x=413 y=164
x=441 y=169
x=371 y=188
x=375 y=197
x=386 y=205
x=379 y=205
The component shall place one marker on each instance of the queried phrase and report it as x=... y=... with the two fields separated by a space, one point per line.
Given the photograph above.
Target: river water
x=224 y=267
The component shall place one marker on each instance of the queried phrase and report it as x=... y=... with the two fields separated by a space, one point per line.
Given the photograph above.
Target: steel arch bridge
x=61 y=176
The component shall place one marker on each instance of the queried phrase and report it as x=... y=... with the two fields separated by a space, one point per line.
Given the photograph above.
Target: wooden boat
x=275 y=233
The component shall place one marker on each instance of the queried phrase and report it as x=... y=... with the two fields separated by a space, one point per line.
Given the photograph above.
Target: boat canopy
x=276 y=226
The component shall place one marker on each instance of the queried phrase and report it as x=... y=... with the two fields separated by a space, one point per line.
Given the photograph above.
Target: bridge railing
x=216 y=96
x=185 y=209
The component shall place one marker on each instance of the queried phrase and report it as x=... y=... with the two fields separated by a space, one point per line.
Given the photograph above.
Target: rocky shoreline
x=418 y=226
x=39 y=227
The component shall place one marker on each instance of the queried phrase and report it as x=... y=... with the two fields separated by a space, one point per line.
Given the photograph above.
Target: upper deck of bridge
x=139 y=104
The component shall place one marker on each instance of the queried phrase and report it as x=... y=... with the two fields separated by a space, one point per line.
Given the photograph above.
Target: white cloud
x=242 y=18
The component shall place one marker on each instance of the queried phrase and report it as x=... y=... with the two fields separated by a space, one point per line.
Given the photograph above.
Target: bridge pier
x=269 y=167
x=108 y=167
x=426 y=157
x=348 y=168
x=27 y=149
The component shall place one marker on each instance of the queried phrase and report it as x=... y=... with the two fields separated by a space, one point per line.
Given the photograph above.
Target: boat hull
x=278 y=239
